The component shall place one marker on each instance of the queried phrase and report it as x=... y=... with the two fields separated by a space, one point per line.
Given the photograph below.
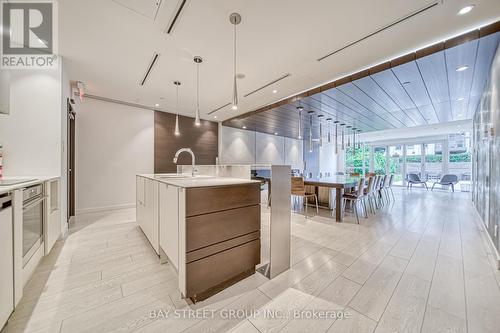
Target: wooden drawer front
x=222 y=246
x=205 y=200
x=208 y=229
x=206 y=273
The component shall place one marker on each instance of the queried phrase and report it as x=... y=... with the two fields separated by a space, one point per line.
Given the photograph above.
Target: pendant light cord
x=234 y=54
x=198 y=86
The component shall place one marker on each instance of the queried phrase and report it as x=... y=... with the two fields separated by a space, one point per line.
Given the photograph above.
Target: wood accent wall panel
x=204 y=200
x=203 y=140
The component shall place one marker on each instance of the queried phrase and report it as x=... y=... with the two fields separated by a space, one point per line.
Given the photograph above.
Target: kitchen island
x=207 y=228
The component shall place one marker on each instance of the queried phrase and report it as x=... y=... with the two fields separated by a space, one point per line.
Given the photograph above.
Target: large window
x=414 y=159
x=429 y=160
x=380 y=160
x=459 y=160
x=396 y=163
x=357 y=160
x=433 y=162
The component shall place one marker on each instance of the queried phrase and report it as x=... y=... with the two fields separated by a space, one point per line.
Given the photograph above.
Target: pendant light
x=235 y=19
x=329 y=128
x=310 y=131
x=348 y=137
x=176 y=130
x=359 y=142
x=336 y=137
x=343 y=146
x=354 y=140
x=320 y=117
x=300 y=108
x=198 y=60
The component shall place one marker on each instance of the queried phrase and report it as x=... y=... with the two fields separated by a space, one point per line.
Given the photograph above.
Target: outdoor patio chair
x=413 y=178
x=447 y=180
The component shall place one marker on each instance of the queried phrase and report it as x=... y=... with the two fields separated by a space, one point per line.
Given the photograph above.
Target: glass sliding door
x=459 y=160
x=396 y=164
x=433 y=166
x=380 y=160
x=414 y=159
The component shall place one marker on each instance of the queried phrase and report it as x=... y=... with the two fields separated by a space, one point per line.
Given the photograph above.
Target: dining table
x=339 y=183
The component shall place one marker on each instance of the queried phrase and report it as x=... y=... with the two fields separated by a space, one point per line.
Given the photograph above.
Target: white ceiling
x=108 y=43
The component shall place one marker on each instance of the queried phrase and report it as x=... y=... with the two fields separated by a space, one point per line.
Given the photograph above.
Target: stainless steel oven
x=33 y=215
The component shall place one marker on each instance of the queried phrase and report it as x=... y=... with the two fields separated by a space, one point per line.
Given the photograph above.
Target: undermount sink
x=173 y=175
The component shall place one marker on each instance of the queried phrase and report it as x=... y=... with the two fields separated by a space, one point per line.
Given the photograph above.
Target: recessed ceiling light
x=465 y=10
x=406 y=82
x=460 y=99
x=244 y=127
x=157 y=105
x=215 y=117
x=275 y=91
x=275 y=133
x=462 y=68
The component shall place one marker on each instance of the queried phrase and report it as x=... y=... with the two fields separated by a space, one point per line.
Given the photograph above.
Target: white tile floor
x=419 y=265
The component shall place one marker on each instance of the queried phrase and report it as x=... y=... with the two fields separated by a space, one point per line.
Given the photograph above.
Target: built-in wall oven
x=33 y=215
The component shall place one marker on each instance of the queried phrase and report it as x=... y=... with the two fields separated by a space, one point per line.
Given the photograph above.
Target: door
x=71 y=159
x=433 y=166
x=414 y=159
x=396 y=163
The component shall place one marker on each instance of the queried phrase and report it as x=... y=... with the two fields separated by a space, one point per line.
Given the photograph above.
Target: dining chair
x=388 y=187
x=376 y=185
x=368 y=193
x=299 y=190
x=355 y=198
x=354 y=174
x=380 y=188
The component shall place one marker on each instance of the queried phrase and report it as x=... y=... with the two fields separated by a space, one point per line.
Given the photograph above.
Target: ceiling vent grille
x=175 y=16
x=219 y=108
x=149 y=68
x=404 y=18
x=268 y=84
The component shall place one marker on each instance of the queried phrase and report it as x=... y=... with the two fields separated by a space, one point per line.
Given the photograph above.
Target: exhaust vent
x=404 y=18
x=219 y=108
x=149 y=68
x=175 y=16
x=268 y=84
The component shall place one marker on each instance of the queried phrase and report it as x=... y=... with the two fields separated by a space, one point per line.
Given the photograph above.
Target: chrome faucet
x=187 y=150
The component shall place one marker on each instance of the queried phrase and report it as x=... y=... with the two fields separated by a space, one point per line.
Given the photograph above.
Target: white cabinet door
x=139 y=202
x=169 y=222
x=52 y=223
x=147 y=213
x=6 y=265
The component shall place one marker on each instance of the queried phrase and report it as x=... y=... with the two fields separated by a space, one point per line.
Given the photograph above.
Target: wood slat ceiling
x=418 y=89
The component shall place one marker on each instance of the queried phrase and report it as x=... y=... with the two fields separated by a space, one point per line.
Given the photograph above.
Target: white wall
x=113 y=143
x=4 y=91
x=238 y=146
x=31 y=133
x=269 y=149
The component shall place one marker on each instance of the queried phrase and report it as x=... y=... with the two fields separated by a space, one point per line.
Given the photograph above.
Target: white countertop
x=198 y=180
x=37 y=180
